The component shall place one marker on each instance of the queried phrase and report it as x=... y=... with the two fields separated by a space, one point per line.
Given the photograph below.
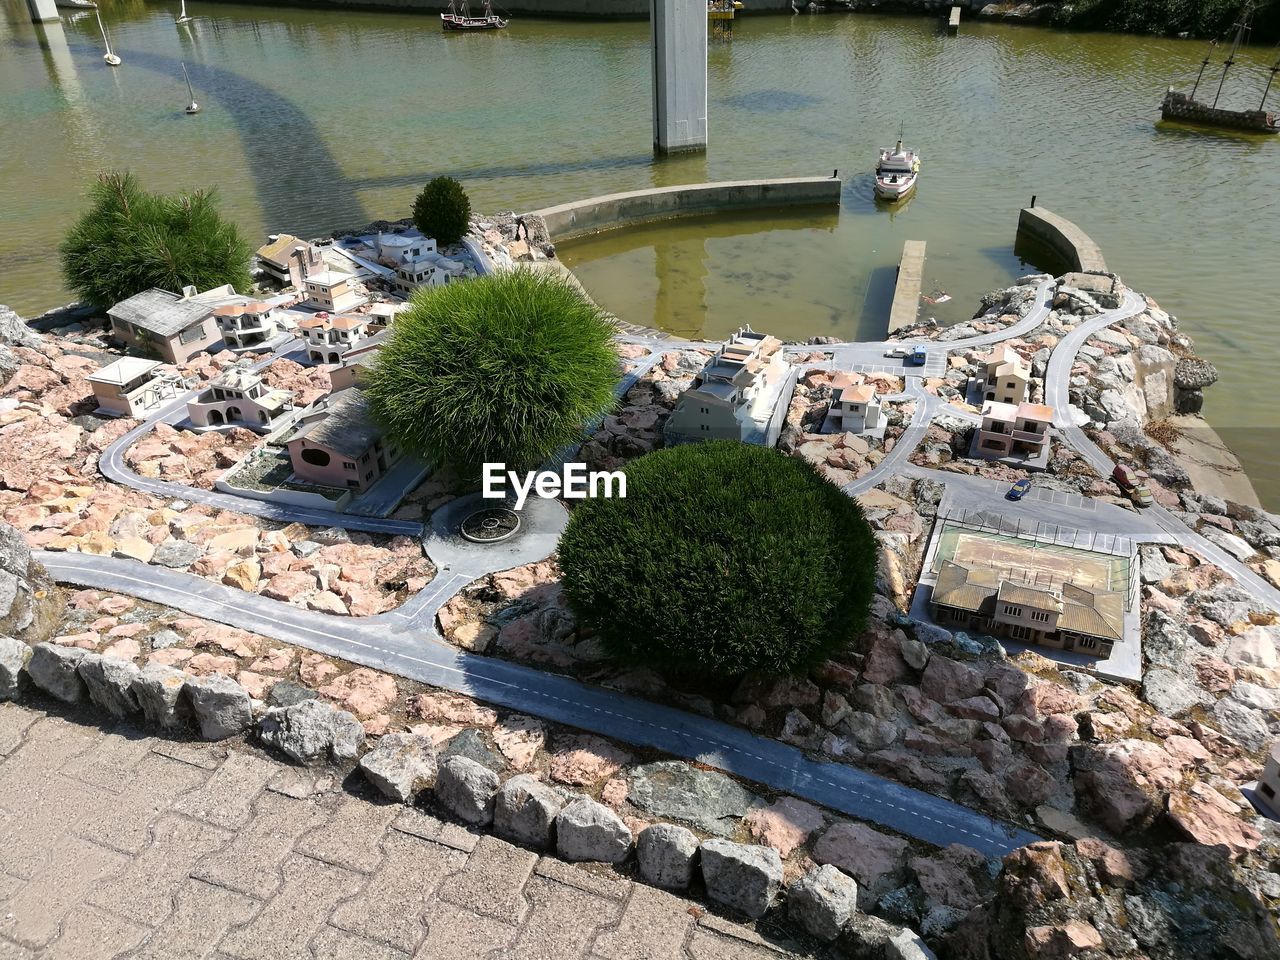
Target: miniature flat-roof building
x=249 y=324
x=854 y=407
x=428 y=270
x=157 y=321
x=338 y=445
x=1268 y=788
x=132 y=387
x=394 y=249
x=286 y=259
x=1075 y=618
x=329 y=338
x=1008 y=376
x=1013 y=431
x=238 y=396
x=330 y=291
x=733 y=396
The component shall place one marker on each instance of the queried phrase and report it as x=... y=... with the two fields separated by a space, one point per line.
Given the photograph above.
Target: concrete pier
x=906 y=294
x=953 y=23
x=1062 y=237
x=678 y=29
x=42 y=11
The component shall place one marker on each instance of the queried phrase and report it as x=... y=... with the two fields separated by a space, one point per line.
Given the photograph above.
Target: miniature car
x=1141 y=496
x=1019 y=490
x=896 y=352
x=1125 y=476
x=917 y=357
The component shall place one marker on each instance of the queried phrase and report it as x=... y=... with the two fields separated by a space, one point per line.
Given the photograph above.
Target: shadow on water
x=622 y=162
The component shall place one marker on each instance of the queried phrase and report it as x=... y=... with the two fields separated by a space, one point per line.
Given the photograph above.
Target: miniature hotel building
x=338 y=445
x=1013 y=431
x=330 y=291
x=1008 y=377
x=160 y=322
x=854 y=407
x=734 y=395
x=329 y=338
x=1073 y=618
x=132 y=387
x=239 y=397
x=248 y=324
x=287 y=260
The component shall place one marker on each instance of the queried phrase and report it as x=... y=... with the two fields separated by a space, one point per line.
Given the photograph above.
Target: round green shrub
x=724 y=558
x=131 y=240
x=442 y=210
x=505 y=368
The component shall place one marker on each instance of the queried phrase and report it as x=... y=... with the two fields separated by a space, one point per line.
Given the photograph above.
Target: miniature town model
x=1014 y=431
x=854 y=407
x=133 y=387
x=165 y=324
x=330 y=338
x=1008 y=377
x=238 y=397
x=336 y=444
x=252 y=323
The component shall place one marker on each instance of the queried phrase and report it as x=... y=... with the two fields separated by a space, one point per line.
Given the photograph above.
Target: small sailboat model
x=488 y=20
x=109 y=56
x=192 y=107
x=183 y=18
x=897 y=172
x=1185 y=108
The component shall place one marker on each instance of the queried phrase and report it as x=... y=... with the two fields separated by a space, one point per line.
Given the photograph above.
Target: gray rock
x=178 y=554
x=14 y=655
x=285 y=693
x=1246 y=726
x=164 y=639
x=15 y=555
x=467 y=790
x=158 y=690
x=822 y=901
x=915 y=653
x=14 y=330
x=220 y=706
x=52 y=668
x=110 y=683
x=305 y=548
x=666 y=854
x=1237 y=547
x=401 y=765
x=312 y=730
x=524 y=811
x=907 y=945
x=1155 y=568
x=478 y=746
x=742 y=876
x=587 y=830
x=1193 y=373
x=1169 y=693
x=707 y=799
x=1254 y=696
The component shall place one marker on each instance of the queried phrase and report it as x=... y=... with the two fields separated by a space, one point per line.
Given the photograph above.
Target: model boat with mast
x=488 y=20
x=1185 y=108
x=897 y=171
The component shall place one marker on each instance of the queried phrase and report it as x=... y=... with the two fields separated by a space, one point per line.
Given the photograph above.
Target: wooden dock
x=906 y=294
x=953 y=24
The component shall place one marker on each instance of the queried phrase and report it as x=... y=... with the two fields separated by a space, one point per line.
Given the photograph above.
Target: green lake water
x=315 y=120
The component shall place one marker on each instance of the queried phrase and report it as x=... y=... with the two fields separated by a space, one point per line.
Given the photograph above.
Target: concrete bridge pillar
x=679 y=33
x=42 y=11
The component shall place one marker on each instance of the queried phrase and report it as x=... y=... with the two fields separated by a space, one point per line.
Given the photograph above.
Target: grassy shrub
x=724 y=558
x=442 y=210
x=130 y=240
x=1201 y=18
x=506 y=368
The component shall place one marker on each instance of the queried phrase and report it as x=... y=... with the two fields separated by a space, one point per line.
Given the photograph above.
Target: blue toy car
x=917 y=357
x=1019 y=490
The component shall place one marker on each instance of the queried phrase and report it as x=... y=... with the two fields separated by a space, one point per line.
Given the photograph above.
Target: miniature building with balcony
x=329 y=338
x=239 y=397
x=330 y=291
x=733 y=397
x=133 y=387
x=249 y=324
x=1019 y=431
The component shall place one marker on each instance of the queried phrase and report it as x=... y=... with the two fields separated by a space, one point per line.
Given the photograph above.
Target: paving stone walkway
x=116 y=844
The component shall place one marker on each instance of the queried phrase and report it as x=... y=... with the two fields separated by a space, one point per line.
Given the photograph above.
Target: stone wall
x=1062 y=237
x=597 y=214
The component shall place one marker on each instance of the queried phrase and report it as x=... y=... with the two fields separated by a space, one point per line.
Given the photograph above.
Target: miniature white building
x=1008 y=376
x=394 y=249
x=238 y=396
x=1013 y=431
x=249 y=324
x=733 y=397
x=1268 y=788
x=428 y=270
x=287 y=260
x=133 y=387
x=854 y=407
x=329 y=337
x=382 y=314
x=330 y=291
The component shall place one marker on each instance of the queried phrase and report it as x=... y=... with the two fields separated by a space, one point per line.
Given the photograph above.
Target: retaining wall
x=597 y=214
x=1063 y=238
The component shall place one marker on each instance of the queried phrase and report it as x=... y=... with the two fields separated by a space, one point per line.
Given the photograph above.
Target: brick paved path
x=120 y=845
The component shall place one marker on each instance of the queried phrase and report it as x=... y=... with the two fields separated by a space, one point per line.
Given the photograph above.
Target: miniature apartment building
x=237 y=396
x=248 y=324
x=1007 y=377
x=164 y=324
x=733 y=394
x=854 y=407
x=329 y=337
x=338 y=445
x=133 y=387
x=330 y=291
x=1013 y=431
x=287 y=260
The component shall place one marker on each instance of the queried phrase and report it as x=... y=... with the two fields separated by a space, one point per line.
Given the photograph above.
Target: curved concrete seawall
x=1063 y=237
x=597 y=214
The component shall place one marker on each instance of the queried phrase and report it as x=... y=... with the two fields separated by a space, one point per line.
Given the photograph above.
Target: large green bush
x=442 y=210
x=506 y=368
x=724 y=558
x=131 y=240
x=1201 y=18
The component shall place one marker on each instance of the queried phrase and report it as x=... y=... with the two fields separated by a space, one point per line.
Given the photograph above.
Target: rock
x=907 y=945
x=158 y=690
x=1169 y=693
x=1193 y=373
x=666 y=855
x=872 y=858
x=285 y=693
x=585 y=760
x=784 y=825
x=363 y=691
x=947 y=681
x=741 y=876
x=14 y=655
x=1256 y=647
x=110 y=683
x=949 y=878
x=52 y=668
x=823 y=901
x=1245 y=726
x=705 y=798
x=220 y=706
x=525 y=811
x=519 y=738
x=587 y=830
x=178 y=554
x=312 y=730
x=475 y=745
x=1238 y=547
x=467 y=789
x=1061 y=942
x=1208 y=818
x=1154 y=567
x=401 y=765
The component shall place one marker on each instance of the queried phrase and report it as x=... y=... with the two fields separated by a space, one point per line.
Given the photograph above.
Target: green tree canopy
x=504 y=368
x=442 y=210
x=130 y=240
x=724 y=558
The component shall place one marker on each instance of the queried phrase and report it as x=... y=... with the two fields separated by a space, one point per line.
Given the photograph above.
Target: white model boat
x=192 y=106
x=109 y=57
x=897 y=172
x=182 y=14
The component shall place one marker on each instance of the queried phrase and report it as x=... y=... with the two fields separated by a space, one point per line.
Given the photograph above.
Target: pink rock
x=520 y=738
x=274 y=661
x=872 y=858
x=975 y=708
x=327 y=602
x=116 y=605
x=377 y=725
x=204 y=664
x=784 y=825
x=126 y=648
x=316 y=670
x=1114 y=866
x=583 y=760
x=950 y=878
x=85 y=641
x=884 y=664
x=128 y=630
x=452 y=708
x=255 y=683
x=947 y=680
x=522 y=580
x=170 y=656
x=288 y=586
x=437 y=732
x=1209 y=818
x=227 y=639
x=1059 y=943
x=1048 y=698
x=614 y=793
x=364 y=692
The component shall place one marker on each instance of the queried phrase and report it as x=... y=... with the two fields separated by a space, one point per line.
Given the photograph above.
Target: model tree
x=131 y=240
x=442 y=210
x=724 y=558
x=506 y=368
